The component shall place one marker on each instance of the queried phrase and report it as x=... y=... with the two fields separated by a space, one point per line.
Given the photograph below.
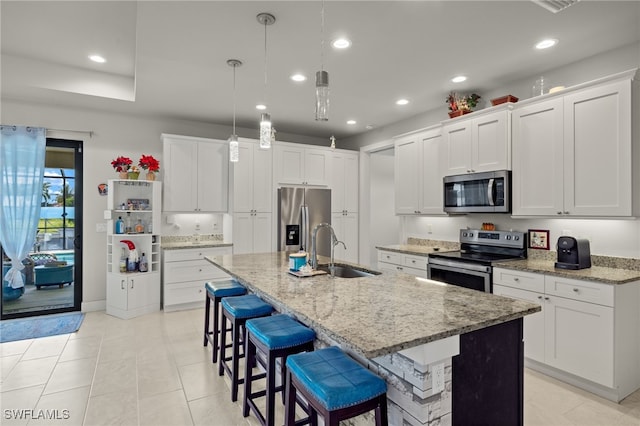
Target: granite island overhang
x=394 y=323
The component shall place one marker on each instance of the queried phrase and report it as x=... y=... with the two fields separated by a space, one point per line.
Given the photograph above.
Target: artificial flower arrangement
x=121 y=164
x=149 y=163
x=461 y=103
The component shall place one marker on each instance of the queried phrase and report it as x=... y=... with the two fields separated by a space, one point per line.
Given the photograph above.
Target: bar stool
x=237 y=310
x=335 y=386
x=216 y=290
x=276 y=336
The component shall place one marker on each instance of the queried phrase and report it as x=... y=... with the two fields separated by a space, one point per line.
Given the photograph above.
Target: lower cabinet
x=391 y=261
x=185 y=272
x=134 y=294
x=586 y=329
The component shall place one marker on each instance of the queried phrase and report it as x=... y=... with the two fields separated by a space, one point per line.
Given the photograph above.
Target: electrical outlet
x=429 y=228
x=437 y=378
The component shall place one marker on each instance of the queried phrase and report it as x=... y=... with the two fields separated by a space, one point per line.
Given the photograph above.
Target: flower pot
x=458 y=113
x=134 y=175
x=123 y=175
x=151 y=176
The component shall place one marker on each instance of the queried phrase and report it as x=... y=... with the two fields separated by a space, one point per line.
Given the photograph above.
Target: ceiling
x=168 y=59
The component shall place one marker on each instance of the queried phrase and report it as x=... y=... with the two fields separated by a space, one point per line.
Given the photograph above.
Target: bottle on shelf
x=144 y=265
x=119 y=225
x=139 y=227
x=128 y=228
x=123 y=261
x=150 y=226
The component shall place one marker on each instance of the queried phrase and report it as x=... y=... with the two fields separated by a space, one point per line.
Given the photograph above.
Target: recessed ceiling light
x=459 y=78
x=545 y=44
x=402 y=102
x=298 y=77
x=97 y=58
x=351 y=122
x=261 y=107
x=341 y=43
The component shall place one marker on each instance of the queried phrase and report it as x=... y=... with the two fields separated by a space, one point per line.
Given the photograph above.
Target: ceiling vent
x=555 y=6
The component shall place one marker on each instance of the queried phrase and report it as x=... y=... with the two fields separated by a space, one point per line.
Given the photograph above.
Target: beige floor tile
x=87 y=347
x=6 y=365
x=19 y=404
x=118 y=408
x=191 y=351
x=18 y=347
x=115 y=376
x=117 y=350
x=29 y=373
x=93 y=325
x=46 y=347
x=200 y=380
x=216 y=410
x=155 y=377
x=67 y=407
x=165 y=409
x=71 y=374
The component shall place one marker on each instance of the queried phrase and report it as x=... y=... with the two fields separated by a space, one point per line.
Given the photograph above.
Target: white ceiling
x=168 y=58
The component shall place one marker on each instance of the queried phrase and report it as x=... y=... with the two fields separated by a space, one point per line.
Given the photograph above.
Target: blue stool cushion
x=334 y=379
x=279 y=331
x=249 y=306
x=225 y=288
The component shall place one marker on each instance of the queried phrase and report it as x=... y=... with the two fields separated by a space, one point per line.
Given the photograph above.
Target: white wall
x=384 y=224
x=114 y=135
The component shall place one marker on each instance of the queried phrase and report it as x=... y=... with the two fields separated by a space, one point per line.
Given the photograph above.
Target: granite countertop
x=372 y=316
x=602 y=274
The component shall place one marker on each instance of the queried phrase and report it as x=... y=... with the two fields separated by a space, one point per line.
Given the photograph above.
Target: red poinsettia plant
x=149 y=163
x=121 y=164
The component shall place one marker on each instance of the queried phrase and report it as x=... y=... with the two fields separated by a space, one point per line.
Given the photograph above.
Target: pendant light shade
x=322 y=79
x=265 y=119
x=234 y=147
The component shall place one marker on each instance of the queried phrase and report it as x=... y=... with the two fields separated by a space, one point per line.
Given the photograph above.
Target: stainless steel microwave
x=488 y=192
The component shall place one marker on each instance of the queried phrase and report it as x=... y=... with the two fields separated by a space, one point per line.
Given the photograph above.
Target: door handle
x=490 y=192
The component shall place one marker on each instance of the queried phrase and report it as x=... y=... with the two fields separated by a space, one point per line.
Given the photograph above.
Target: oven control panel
x=513 y=239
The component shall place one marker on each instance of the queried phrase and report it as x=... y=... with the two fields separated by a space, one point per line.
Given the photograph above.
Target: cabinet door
x=262 y=233
x=338 y=171
x=117 y=288
x=490 y=142
x=289 y=164
x=317 y=167
x=346 y=229
x=457 y=139
x=407 y=167
x=533 y=324
x=262 y=179
x=243 y=179
x=537 y=159
x=597 y=151
x=351 y=180
x=180 y=173
x=579 y=339
x=242 y=233
x=431 y=170
x=213 y=172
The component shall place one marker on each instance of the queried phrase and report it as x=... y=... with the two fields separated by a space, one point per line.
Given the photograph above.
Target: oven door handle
x=492 y=184
x=453 y=266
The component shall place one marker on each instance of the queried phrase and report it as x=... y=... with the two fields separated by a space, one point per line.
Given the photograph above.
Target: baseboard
x=98 y=305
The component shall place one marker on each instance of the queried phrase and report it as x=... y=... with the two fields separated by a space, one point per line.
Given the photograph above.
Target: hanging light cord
x=265 y=62
x=322 y=37
x=234 y=98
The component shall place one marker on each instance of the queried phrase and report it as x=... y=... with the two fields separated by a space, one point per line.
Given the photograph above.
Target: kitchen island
x=449 y=354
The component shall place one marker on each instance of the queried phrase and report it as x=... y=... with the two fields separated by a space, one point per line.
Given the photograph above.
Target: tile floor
x=153 y=370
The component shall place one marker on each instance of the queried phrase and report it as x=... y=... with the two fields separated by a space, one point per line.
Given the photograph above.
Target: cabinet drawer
x=389 y=257
x=585 y=291
x=186 y=292
x=519 y=279
x=194 y=253
x=190 y=270
x=417 y=262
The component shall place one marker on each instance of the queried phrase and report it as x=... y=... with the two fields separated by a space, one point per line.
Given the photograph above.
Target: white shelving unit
x=130 y=294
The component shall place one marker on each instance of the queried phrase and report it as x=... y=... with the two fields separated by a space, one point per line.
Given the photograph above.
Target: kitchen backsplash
x=191 y=238
x=596 y=260
x=448 y=245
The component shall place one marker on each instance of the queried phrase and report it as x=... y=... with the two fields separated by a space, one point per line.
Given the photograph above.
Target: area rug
x=46 y=325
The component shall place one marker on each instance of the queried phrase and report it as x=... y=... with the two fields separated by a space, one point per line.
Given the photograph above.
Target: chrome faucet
x=314 y=252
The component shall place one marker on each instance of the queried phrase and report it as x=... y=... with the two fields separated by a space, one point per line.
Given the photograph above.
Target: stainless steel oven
x=472 y=266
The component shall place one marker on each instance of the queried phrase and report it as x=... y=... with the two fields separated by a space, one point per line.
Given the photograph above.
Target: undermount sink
x=347 y=271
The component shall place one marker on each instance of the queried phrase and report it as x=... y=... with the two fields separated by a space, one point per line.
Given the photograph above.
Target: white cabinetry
x=344 y=203
x=573 y=154
x=133 y=293
x=586 y=329
x=185 y=272
x=297 y=165
x=390 y=261
x=252 y=200
x=418 y=172
x=195 y=174
x=478 y=144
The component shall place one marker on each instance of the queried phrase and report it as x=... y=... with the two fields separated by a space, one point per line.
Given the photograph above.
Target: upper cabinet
x=298 y=165
x=195 y=174
x=252 y=179
x=344 y=182
x=418 y=172
x=478 y=144
x=573 y=154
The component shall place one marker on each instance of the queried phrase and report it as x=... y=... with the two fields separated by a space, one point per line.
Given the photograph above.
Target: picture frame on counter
x=539 y=239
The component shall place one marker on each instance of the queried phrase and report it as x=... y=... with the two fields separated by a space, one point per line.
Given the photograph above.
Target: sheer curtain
x=22 y=151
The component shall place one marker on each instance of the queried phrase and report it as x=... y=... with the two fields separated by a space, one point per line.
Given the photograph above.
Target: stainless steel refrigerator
x=299 y=211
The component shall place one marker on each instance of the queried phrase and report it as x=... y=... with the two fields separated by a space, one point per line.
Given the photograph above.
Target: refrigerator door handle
x=304 y=227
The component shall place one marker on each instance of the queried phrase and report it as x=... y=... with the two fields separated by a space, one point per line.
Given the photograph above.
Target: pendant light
x=322 y=79
x=234 y=147
x=265 y=119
